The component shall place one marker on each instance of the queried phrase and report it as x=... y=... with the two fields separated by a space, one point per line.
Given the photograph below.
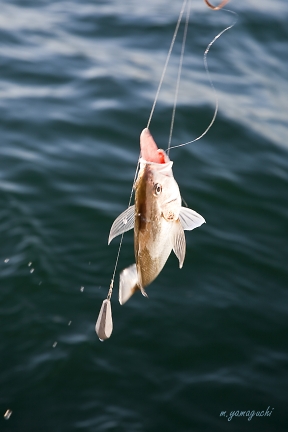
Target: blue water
x=77 y=83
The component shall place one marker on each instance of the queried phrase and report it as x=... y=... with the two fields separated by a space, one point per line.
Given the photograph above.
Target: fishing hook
x=223 y=3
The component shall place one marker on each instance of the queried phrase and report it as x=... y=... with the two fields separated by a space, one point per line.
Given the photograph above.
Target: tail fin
x=128 y=283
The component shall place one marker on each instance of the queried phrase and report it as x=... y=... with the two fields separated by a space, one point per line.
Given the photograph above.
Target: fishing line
x=176 y=97
x=121 y=239
x=150 y=118
x=166 y=62
x=179 y=76
x=210 y=80
x=104 y=323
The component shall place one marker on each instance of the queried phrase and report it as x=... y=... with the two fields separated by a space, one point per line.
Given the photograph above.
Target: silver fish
x=157 y=217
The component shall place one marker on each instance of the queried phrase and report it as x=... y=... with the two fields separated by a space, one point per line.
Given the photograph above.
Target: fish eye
x=157 y=189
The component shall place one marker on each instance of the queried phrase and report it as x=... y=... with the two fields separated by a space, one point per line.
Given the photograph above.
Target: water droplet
x=125 y=221
x=29 y=264
x=101 y=340
x=54 y=344
x=6 y=261
x=82 y=289
x=7 y=414
x=89 y=262
x=32 y=270
x=69 y=323
x=40 y=283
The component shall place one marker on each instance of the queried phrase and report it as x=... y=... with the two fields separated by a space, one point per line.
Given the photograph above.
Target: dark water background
x=77 y=82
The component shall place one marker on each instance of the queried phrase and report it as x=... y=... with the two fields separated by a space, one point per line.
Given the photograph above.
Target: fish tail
x=129 y=283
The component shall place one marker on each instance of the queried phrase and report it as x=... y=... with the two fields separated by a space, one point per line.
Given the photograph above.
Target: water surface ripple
x=77 y=82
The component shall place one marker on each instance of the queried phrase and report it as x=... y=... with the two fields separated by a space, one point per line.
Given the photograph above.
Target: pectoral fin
x=179 y=242
x=190 y=219
x=124 y=222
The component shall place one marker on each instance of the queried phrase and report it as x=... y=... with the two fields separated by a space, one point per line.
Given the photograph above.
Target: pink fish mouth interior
x=149 y=149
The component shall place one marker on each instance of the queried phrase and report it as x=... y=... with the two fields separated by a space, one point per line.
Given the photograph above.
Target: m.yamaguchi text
x=248 y=414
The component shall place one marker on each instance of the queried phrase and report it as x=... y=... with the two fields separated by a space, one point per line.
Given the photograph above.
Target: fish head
x=157 y=193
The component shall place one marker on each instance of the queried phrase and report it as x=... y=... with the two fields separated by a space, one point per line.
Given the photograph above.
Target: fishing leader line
x=179 y=76
x=104 y=323
x=209 y=77
x=166 y=62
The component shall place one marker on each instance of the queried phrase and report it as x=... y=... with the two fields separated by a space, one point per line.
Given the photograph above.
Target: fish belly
x=152 y=250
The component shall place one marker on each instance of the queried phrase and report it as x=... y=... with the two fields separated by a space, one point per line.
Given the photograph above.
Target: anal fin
x=128 y=283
